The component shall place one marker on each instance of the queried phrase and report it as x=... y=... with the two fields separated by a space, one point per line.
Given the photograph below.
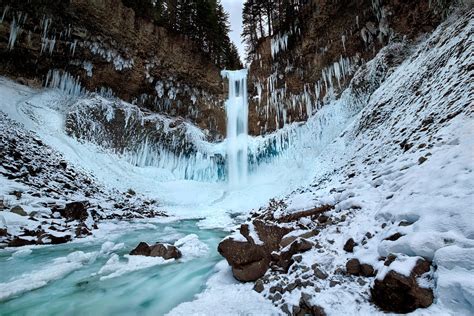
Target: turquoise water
x=151 y=291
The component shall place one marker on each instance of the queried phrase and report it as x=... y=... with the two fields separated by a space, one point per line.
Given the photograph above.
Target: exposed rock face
x=145 y=138
x=332 y=40
x=284 y=258
x=105 y=47
x=401 y=294
x=166 y=251
x=250 y=259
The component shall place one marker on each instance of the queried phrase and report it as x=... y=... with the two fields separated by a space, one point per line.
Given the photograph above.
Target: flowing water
x=151 y=291
x=237 y=127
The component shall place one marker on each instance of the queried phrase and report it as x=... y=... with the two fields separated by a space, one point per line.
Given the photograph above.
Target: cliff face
x=296 y=72
x=104 y=47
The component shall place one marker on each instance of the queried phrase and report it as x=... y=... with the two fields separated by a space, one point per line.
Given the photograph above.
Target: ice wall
x=237 y=127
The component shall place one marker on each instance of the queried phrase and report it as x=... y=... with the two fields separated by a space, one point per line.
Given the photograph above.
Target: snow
x=225 y=296
x=114 y=267
x=191 y=247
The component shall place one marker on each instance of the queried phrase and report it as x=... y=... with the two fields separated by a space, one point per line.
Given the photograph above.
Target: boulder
x=349 y=245
x=19 y=242
x=250 y=260
x=75 y=211
x=143 y=249
x=166 y=251
x=354 y=267
x=402 y=294
x=18 y=210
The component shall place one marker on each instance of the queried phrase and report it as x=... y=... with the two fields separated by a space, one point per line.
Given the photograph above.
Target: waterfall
x=237 y=121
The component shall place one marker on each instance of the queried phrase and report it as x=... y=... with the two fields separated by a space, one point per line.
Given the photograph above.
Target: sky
x=234 y=8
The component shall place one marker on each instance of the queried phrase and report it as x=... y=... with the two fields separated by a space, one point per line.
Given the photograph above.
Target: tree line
x=203 y=21
x=263 y=18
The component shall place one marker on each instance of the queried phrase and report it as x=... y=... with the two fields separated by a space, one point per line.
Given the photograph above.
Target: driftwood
x=315 y=211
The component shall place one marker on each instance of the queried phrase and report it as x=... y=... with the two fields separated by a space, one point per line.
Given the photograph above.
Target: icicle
x=14 y=30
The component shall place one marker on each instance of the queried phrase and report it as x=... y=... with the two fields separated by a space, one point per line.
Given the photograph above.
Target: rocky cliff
x=101 y=45
x=295 y=73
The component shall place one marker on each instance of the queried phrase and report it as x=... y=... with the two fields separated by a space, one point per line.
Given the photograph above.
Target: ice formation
x=237 y=127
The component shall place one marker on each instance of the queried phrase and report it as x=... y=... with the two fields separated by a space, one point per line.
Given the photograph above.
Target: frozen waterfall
x=237 y=121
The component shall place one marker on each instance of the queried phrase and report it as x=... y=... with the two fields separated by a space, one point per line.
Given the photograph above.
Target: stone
x=75 y=211
x=320 y=274
x=18 y=210
x=166 y=251
x=353 y=267
x=19 y=242
x=422 y=160
x=250 y=261
x=401 y=294
x=306 y=307
x=284 y=258
x=367 y=270
x=259 y=286
x=349 y=245
x=333 y=283
x=143 y=249
x=394 y=237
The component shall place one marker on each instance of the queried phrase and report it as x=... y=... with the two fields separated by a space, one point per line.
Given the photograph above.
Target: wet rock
x=349 y=245
x=56 y=240
x=143 y=249
x=165 y=251
x=19 y=242
x=18 y=210
x=401 y=294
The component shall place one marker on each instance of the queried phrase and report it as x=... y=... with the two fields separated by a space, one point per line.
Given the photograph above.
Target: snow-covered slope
x=401 y=180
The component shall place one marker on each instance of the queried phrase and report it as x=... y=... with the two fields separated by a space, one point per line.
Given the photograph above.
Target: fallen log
x=315 y=211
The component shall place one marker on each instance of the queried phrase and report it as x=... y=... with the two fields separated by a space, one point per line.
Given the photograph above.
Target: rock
x=308 y=308
x=333 y=283
x=166 y=251
x=56 y=240
x=259 y=287
x=74 y=211
x=19 y=242
x=18 y=210
x=422 y=160
x=82 y=230
x=249 y=260
x=390 y=258
x=394 y=237
x=349 y=245
x=367 y=270
x=401 y=294
x=320 y=274
x=289 y=239
x=284 y=258
x=3 y=232
x=353 y=267
x=143 y=249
